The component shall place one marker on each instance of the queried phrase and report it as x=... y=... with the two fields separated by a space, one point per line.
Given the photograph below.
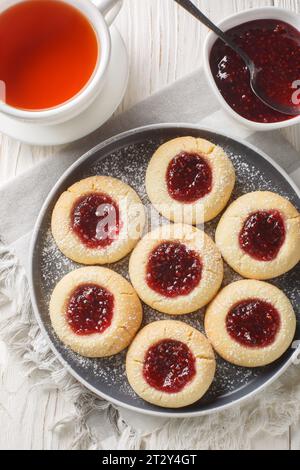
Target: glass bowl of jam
x=271 y=37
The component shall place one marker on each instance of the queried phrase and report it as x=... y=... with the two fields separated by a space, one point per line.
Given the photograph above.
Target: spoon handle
x=193 y=10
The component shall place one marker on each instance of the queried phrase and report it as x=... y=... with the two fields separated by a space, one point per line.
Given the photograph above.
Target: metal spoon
x=254 y=71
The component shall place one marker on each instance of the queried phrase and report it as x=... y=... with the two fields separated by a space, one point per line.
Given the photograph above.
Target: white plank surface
x=164 y=44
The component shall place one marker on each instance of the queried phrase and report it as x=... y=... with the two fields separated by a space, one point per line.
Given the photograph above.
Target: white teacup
x=101 y=14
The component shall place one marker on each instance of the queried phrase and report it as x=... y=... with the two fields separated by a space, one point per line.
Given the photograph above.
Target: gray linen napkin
x=189 y=100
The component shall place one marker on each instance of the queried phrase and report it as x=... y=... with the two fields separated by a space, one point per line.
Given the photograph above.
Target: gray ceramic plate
x=126 y=157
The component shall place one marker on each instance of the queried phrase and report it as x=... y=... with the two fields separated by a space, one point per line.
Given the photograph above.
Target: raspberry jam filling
x=189 y=178
x=90 y=309
x=173 y=269
x=253 y=323
x=95 y=219
x=263 y=235
x=274 y=46
x=169 y=366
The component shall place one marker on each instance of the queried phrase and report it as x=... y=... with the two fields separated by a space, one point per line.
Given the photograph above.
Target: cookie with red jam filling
x=190 y=180
x=250 y=323
x=95 y=312
x=176 y=269
x=259 y=235
x=170 y=364
x=98 y=220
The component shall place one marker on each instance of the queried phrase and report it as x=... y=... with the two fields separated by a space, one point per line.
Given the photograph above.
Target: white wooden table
x=164 y=44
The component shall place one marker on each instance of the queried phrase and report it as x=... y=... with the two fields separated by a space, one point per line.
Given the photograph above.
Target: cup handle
x=109 y=9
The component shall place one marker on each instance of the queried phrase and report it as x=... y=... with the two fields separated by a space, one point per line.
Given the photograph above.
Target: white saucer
x=88 y=121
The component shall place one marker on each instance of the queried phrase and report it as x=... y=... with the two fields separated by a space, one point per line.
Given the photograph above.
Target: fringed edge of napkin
x=23 y=337
x=273 y=410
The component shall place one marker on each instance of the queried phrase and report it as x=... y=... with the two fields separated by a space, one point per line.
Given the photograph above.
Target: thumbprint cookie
x=98 y=220
x=259 y=235
x=250 y=323
x=95 y=312
x=190 y=180
x=170 y=364
x=176 y=269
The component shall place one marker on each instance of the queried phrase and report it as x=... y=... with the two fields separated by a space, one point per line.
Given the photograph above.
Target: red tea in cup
x=48 y=53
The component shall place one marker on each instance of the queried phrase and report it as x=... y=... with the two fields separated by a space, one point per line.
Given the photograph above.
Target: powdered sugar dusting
x=129 y=164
